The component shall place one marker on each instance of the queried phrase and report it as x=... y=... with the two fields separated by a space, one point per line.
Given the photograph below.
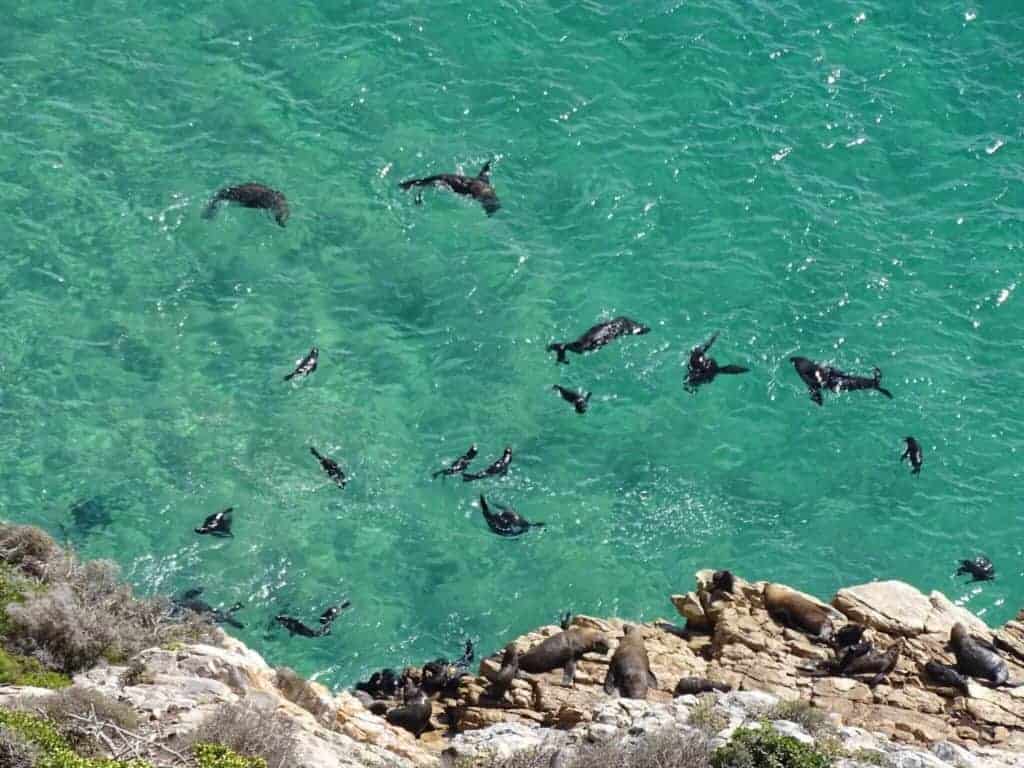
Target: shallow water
x=833 y=180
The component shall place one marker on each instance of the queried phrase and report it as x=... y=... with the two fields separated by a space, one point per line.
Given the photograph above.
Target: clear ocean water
x=841 y=180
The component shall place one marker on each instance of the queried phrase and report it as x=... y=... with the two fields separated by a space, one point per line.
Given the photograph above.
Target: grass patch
x=706 y=716
x=23 y=670
x=803 y=713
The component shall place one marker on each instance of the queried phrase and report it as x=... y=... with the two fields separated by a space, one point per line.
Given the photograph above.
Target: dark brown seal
x=792 y=609
x=251 y=195
x=502 y=681
x=693 y=685
x=414 y=714
x=977 y=658
x=563 y=651
x=630 y=670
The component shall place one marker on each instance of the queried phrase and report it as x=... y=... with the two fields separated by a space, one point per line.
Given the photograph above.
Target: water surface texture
x=836 y=180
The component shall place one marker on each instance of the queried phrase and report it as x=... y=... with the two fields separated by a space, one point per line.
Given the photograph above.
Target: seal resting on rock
x=940 y=674
x=414 y=714
x=792 y=609
x=597 y=336
x=629 y=673
x=251 y=195
x=502 y=681
x=562 y=651
x=691 y=686
x=978 y=658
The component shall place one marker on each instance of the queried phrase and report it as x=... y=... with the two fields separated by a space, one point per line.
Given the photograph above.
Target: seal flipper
x=816 y=396
x=878 y=383
x=732 y=369
x=569 y=673
x=559 y=349
x=652 y=681
x=610 y=688
x=485 y=173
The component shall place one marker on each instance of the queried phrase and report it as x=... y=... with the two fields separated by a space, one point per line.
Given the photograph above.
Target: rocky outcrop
x=729 y=637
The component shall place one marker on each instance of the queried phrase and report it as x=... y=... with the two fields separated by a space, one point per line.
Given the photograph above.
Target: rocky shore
x=904 y=720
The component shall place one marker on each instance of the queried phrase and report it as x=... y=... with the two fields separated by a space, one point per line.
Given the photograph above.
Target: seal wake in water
x=478 y=187
x=251 y=195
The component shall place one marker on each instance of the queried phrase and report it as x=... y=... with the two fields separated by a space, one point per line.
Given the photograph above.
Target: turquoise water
x=842 y=181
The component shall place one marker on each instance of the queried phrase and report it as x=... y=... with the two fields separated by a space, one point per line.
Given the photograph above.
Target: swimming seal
x=629 y=672
x=691 y=686
x=189 y=601
x=597 y=336
x=499 y=467
x=940 y=674
x=563 y=651
x=980 y=568
x=478 y=187
x=507 y=522
x=914 y=453
x=460 y=464
x=306 y=365
x=978 y=658
x=414 y=714
x=578 y=399
x=297 y=627
x=794 y=610
x=818 y=377
x=331 y=467
x=217 y=524
x=703 y=369
x=251 y=195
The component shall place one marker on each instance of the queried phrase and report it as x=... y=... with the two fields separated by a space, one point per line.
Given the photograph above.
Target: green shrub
x=219 y=756
x=12 y=590
x=24 y=670
x=766 y=748
x=54 y=751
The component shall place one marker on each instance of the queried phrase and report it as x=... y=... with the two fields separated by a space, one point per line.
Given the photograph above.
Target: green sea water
x=840 y=180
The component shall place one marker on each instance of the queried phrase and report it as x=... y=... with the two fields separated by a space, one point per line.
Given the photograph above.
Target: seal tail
x=314 y=450
x=536 y=525
x=733 y=369
x=559 y=349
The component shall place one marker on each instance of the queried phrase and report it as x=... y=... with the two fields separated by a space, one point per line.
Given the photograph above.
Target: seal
x=914 y=454
x=980 y=568
x=578 y=399
x=859 y=660
x=383 y=684
x=251 y=195
x=818 y=377
x=940 y=674
x=597 y=336
x=691 y=686
x=723 y=581
x=703 y=369
x=978 y=658
x=501 y=683
x=331 y=467
x=189 y=601
x=305 y=365
x=794 y=610
x=460 y=464
x=297 y=627
x=414 y=714
x=848 y=635
x=217 y=524
x=629 y=672
x=562 y=651
x=478 y=187
x=499 y=467
x=507 y=522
